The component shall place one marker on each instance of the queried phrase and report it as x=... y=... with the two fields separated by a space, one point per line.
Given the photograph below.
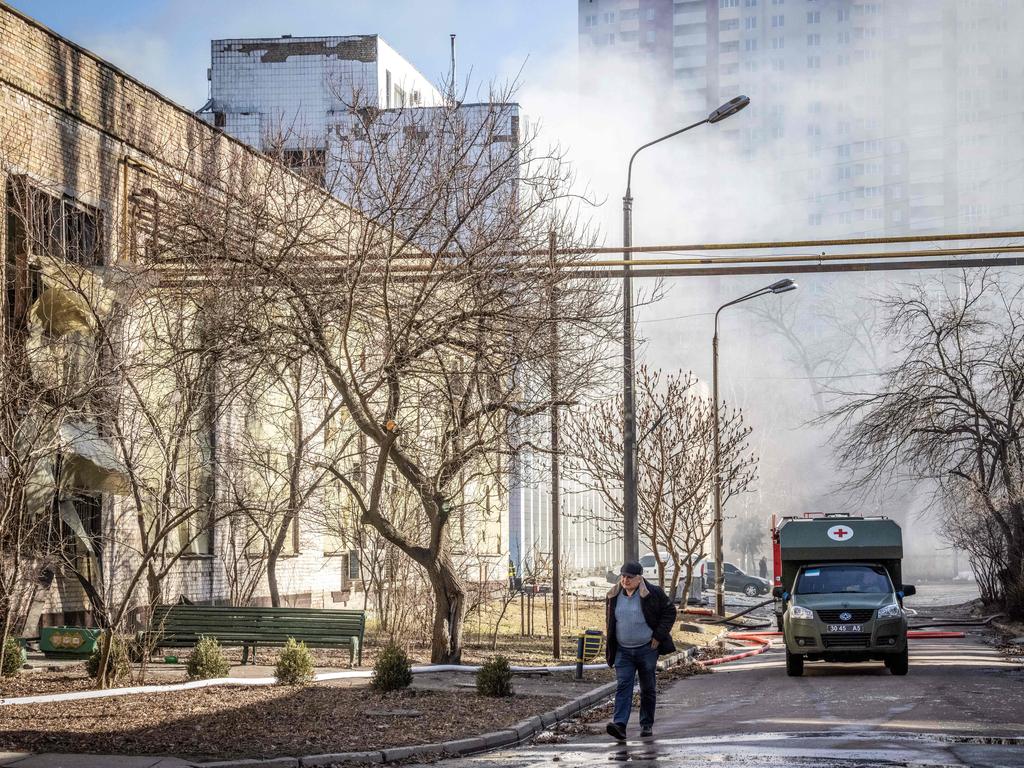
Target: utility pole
x=630 y=526
x=780 y=286
x=556 y=506
x=630 y=537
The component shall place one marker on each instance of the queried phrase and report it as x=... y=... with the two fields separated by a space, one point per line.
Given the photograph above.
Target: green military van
x=841 y=591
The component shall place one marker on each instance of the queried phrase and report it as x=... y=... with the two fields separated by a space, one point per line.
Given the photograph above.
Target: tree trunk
x=103 y=669
x=674 y=581
x=687 y=581
x=154 y=586
x=1012 y=577
x=275 y=595
x=449 y=612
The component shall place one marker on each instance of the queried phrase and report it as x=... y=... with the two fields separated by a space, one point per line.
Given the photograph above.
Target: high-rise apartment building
x=883 y=118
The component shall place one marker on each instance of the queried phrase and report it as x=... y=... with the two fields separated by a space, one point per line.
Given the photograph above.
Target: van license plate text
x=845 y=628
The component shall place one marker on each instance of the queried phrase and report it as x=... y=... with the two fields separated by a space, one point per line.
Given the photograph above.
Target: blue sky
x=166 y=43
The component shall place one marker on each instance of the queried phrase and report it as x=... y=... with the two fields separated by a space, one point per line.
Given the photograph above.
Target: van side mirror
x=777 y=593
x=909 y=589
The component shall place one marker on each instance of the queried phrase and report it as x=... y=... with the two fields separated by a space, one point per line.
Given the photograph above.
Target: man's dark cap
x=632 y=568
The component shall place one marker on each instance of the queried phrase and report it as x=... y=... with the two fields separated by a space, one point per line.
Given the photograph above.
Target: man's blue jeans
x=629 y=663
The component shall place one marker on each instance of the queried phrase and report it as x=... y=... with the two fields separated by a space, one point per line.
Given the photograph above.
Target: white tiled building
x=304 y=85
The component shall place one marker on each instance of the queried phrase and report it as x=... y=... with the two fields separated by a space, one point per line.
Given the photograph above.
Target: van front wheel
x=794 y=664
x=899 y=665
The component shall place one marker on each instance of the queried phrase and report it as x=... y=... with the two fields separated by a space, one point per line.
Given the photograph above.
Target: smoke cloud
x=917 y=130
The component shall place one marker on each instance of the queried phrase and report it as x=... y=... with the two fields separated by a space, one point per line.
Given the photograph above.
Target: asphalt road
x=961 y=705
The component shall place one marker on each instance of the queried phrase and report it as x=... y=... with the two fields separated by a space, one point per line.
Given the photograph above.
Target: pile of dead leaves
x=680 y=671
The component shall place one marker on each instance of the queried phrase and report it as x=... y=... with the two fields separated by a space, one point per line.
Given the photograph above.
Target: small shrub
x=295 y=664
x=392 y=672
x=118 y=664
x=207 y=660
x=494 y=677
x=12 y=658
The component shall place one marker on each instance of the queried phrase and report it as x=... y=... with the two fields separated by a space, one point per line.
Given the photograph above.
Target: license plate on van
x=845 y=628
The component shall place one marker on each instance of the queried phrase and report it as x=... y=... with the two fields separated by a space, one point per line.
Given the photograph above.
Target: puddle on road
x=821 y=749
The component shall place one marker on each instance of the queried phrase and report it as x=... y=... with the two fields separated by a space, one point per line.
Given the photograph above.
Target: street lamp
x=782 y=286
x=631 y=536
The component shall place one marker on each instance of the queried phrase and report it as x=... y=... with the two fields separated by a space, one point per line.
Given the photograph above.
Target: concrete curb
x=675 y=658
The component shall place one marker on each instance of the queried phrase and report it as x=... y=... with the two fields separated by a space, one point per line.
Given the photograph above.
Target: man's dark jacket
x=659 y=613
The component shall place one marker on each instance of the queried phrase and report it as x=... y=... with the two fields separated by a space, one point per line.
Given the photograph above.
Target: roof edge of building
x=296 y=38
x=6 y=7
x=99 y=60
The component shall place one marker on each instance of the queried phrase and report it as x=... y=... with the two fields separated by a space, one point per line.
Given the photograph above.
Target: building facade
x=302 y=90
x=84 y=151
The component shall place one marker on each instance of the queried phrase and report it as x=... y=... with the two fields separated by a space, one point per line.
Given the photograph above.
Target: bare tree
x=30 y=418
x=948 y=410
x=842 y=339
x=244 y=557
x=968 y=526
x=40 y=343
x=425 y=310
x=281 y=455
x=675 y=464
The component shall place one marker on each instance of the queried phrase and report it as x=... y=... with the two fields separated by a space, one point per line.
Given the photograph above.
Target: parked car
x=736 y=580
x=651 y=572
x=651 y=567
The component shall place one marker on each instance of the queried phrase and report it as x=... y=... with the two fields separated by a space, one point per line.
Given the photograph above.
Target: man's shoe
x=616 y=731
x=646 y=731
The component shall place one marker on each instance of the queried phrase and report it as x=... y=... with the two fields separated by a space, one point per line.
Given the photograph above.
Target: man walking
x=762 y=568
x=639 y=620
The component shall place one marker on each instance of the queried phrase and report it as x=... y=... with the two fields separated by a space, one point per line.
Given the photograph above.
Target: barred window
x=43 y=224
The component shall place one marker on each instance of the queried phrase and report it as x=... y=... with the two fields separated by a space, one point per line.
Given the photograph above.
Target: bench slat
x=183 y=625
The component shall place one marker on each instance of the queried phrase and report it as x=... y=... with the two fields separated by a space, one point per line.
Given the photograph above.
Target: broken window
x=77 y=528
x=354 y=570
x=24 y=285
x=311 y=163
x=89 y=507
x=41 y=224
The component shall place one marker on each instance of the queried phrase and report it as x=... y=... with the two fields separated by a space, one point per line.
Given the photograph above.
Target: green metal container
x=68 y=642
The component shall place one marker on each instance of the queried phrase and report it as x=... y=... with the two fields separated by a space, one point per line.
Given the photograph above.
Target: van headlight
x=890 y=611
x=799 y=612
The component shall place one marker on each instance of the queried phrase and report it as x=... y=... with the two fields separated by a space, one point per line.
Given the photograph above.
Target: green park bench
x=180 y=626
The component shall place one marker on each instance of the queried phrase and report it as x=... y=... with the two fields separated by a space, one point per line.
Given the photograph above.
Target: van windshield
x=832 y=579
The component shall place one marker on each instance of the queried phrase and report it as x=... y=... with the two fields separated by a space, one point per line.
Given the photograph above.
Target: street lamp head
x=730 y=108
x=782 y=286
